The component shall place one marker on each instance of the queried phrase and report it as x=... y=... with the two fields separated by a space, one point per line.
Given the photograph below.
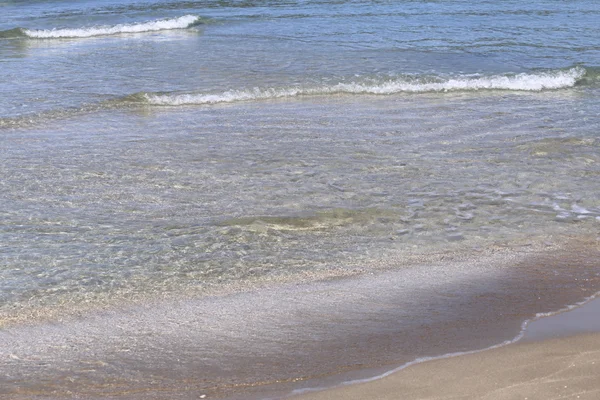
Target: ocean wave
x=548 y=80
x=12 y=33
x=184 y=22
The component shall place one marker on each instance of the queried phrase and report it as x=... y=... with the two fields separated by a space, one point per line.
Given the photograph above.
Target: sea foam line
x=159 y=25
x=521 y=82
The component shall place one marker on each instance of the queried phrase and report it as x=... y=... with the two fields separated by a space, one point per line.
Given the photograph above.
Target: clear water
x=173 y=149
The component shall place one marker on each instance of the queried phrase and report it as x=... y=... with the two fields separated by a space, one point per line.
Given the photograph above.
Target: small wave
x=550 y=80
x=184 y=22
x=12 y=33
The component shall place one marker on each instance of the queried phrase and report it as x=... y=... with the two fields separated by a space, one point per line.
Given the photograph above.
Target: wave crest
x=549 y=80
x=12 y=33
x=159 y=25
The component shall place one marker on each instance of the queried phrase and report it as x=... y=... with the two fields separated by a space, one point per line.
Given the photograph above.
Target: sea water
x=180 y=181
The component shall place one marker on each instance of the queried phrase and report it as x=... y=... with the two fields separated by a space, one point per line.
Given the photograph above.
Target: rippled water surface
x=191 y=197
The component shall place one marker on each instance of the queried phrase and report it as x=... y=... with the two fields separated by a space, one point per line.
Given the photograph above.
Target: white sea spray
x=151 y=26
x=550 y=80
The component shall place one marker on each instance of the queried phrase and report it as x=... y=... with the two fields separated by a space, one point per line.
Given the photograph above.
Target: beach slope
x=564 y=368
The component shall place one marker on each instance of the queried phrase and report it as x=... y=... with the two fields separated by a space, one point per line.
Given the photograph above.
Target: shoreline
x=553 y=368
x=268 y=343
x=549 y=339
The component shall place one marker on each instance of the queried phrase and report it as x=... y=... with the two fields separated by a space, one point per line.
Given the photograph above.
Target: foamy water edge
x=550 y=80
x=183 y=22
x=420 y=360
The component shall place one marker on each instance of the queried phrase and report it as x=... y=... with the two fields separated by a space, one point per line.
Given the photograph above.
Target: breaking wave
x=184 y=22
x=548 y=80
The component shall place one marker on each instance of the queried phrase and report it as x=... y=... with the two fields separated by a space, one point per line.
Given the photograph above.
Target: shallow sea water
x=284 y=195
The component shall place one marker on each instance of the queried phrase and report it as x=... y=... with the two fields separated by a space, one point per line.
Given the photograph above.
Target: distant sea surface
x=159 y=153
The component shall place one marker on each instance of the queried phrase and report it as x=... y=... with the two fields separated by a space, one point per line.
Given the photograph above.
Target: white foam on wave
x=151 y=26
x=521 y=82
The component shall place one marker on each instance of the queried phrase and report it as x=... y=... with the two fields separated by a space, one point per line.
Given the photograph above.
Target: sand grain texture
x=565 y=368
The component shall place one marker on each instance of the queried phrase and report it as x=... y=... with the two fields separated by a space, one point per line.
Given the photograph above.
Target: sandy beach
x=565 y=368
x=555 y=368
x=320 y=334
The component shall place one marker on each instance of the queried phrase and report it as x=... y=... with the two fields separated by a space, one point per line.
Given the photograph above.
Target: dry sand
x=564 y=368
x=558 y=357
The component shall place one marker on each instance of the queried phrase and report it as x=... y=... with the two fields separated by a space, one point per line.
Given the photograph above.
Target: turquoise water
x=166 y=151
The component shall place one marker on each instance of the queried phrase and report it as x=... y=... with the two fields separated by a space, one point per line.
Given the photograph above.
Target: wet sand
x=268 y=343
x=566 y=367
